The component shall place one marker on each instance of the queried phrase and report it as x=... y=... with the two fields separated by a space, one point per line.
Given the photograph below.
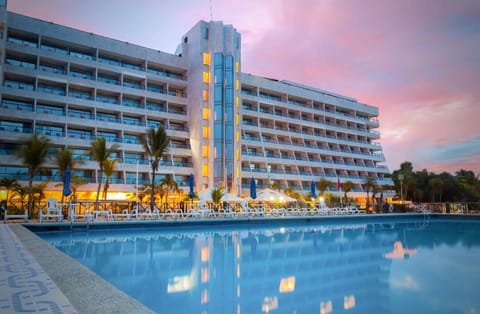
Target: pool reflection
x=302 y=268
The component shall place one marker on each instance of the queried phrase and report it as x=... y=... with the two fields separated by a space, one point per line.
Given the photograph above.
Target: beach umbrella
x=269 y=195
x=253 y=189
x=313 y=189
x=191 y=185
x=66 y=182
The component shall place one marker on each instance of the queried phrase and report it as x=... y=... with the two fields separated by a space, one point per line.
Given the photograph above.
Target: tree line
x=425 y=186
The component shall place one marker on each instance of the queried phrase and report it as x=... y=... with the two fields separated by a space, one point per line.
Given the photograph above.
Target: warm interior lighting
x=205 y=95
x=205 y=170
x=237 y=66
x=205 y=275
x=237 y=84
x=206 y=113
x=206 y=77
x=205 y=132
x=326 y=307
x=205 y=151
x=237 y=101
x=269 y=304
x=206 y=58
x=287 y=285
x=205 y=254
x=349 y=302
x=399 y=252
x=204 y=296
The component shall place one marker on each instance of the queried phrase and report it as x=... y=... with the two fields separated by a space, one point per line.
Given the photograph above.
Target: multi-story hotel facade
x=225 y=126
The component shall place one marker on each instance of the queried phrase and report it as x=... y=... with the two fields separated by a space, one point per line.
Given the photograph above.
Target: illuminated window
x=205 y=151
x=205 y=95
x=237 y=101
x=204 y=296
x=206 y=77
x=348 y=302
x=287 y=284
x=238 y=171
x=237 y=84
x=237 y=66
x=206 y=132
x=206 y=113
x=205 y=170
x=205 y=274
x=326 y=307
x=205 y=254
x=206 y=58
x=238 y=154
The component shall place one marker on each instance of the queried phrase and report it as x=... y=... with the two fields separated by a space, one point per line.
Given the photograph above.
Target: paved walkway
x=24 y=285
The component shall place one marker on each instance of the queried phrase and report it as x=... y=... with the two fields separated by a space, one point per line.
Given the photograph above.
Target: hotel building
x=225 y=126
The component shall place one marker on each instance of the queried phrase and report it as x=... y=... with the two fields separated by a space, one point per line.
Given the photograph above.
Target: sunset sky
x=417 y=60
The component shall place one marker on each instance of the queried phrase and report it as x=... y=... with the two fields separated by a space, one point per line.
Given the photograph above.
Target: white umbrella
x=206 y=196
x=268 y=195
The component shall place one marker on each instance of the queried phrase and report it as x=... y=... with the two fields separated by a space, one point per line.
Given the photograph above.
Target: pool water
x=414 y=266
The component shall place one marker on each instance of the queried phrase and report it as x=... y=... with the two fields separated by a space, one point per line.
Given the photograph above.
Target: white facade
x=225 y=126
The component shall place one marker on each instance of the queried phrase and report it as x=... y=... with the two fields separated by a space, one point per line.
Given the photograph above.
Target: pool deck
x=37 y=278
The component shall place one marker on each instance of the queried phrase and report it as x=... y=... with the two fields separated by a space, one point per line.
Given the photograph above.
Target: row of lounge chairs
x=53 y=212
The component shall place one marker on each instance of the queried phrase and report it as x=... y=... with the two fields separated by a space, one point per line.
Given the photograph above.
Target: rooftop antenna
x=211 y=12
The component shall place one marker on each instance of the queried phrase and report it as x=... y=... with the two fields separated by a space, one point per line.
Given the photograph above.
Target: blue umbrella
x=253 y=189
x=313 y=189
x=191 y=184
x=66 y=182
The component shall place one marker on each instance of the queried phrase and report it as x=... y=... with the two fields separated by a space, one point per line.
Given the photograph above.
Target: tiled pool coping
x=85 y=292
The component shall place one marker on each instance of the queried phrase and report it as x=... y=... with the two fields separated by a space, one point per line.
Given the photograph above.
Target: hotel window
x=237 y=66
x=238 y=154
x=205 y=170
x=205 y=32
x=237 y=84
x=206 y=58
x=206 y=77
x=237 y=101
x=237 y=119
x=205 y=132
x=205 y=151
x=205 y=95
x=238 y=171
x=206 y=113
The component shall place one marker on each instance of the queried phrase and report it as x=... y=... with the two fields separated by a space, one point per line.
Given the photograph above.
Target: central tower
x=213 y=54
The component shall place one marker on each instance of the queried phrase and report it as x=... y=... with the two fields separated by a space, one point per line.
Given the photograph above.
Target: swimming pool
x=415 y=265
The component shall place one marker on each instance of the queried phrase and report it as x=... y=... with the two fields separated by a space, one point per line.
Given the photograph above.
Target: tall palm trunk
x=152 y=197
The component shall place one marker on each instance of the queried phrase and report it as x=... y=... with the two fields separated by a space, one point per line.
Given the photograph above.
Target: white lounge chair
x=52 y=211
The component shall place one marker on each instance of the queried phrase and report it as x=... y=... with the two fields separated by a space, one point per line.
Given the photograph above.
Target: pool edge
x=86 y=291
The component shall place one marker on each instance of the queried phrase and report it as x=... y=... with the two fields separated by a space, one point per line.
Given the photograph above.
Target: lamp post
x=401 y=177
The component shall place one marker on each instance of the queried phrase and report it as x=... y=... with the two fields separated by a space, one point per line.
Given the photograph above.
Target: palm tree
x=155 y=144
x=64 y=159
x=33 y=153
x=217 y=194
x=323 y=185
x=169 y=186
x=108 y=168
x=10 y=185
x=436 y=184
x=368 y=184
x=347 y=186
x=100 y=153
